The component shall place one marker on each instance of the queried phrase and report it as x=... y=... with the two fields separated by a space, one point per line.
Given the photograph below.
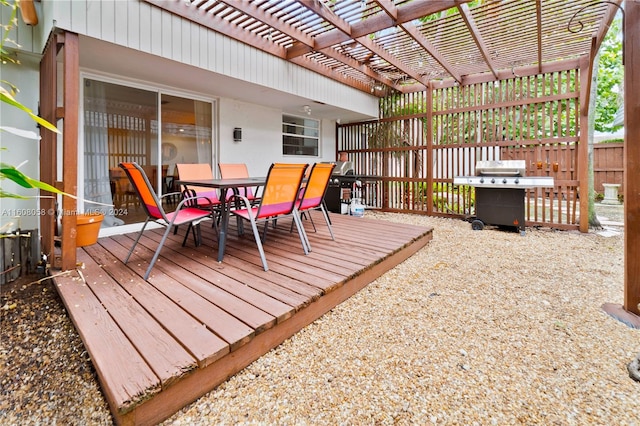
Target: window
x=154 y=129
x=300 y=136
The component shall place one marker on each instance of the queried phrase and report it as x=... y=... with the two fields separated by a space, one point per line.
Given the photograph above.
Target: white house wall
x=262 y=137
x=19 y=151
x=143 y=27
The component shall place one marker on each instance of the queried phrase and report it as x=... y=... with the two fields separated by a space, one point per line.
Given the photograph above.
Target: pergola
x=385 y=46
x=409 y=45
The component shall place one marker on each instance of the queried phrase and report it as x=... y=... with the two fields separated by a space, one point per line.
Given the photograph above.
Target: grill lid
x=343 y=168
x=501 y=168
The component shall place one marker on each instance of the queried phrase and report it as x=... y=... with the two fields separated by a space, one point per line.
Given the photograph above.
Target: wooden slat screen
x=420 y=145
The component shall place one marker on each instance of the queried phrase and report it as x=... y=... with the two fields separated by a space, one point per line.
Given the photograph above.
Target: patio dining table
x=224 y=185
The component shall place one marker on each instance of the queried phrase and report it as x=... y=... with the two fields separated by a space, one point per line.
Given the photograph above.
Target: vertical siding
x=144 y=29
x=133 y=32
x=92 y=21
x=155 y=25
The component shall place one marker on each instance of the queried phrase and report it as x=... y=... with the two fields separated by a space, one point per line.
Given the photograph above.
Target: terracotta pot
x=88 y=227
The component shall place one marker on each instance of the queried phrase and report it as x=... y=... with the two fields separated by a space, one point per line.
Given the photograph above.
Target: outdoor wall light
x=237 y=134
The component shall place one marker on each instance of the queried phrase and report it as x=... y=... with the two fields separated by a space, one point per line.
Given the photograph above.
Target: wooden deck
x=159 y=345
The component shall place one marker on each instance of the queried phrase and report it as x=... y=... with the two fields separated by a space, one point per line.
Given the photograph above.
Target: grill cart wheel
x=477 y=225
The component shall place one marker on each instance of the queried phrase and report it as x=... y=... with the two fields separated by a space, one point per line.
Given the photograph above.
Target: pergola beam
x=414 y=10
x=539 y=32
x=258 y=14
x=465 y=13
x=327 y=14
x=384 y=54
x=417 y=36
x=392 y=11
x=220 y=25
x=319 y=8
x=316 y=35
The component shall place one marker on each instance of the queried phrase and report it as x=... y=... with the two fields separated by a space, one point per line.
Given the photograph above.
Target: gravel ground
x=480 y=327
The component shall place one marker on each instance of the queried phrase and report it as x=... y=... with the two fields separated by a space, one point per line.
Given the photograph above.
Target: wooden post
x=71 y=80
x=429 y=124
x=632 y=157
x=583 y=145
x=48 y=71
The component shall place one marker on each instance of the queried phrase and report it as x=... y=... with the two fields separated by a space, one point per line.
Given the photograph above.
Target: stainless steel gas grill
x=340 y=185
x=500 y=191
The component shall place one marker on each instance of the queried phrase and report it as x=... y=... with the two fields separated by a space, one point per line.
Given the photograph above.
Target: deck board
x=128 y=304
x=233 y=330
x=125 y=375
x=232 y=267
x=159 y=344
x=166 y=357
x=225 y=292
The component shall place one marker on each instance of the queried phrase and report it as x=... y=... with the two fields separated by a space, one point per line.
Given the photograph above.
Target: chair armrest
x=188 y=199
x=240 y=198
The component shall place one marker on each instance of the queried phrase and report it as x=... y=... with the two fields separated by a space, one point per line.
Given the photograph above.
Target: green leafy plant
x=8 y=92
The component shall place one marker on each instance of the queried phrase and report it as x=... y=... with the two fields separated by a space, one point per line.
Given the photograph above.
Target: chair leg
x=216 y=222
x=264 y=230
x=324 y=207
x=186 y=235
x=197 y=235
x=304 y=239
x=256 y=235
x=326 y=219
x=312 y=223
x=305 y=214
x=157 y=253
x=137 y=239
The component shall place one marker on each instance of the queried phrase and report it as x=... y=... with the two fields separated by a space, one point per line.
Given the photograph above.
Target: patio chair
x=199 y=171
x=184 y=214
x=234 y=171
x=121 y=190
x=312 y=194
x=206 y=198
x=279 y=199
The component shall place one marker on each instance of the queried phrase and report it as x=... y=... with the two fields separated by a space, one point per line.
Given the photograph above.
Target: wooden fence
x=608 y=165
x=425 y=139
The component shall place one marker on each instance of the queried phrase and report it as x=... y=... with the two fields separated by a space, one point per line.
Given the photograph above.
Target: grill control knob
x=481 y=180
x=493 y=180
x=504 y=181
x=517 y=181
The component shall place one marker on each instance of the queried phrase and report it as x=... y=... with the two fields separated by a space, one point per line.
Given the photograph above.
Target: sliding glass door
x=156 y=130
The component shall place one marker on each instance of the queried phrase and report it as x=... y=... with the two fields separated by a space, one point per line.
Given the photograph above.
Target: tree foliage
x=610 y=79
